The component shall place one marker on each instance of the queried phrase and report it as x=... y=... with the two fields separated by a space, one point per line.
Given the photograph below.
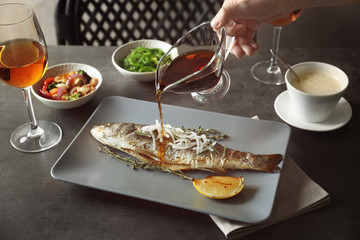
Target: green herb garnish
x=136 y=164
x=52 y=85
x=143 y=134
x=82 y=72
x=73 y=97
x=209 y=133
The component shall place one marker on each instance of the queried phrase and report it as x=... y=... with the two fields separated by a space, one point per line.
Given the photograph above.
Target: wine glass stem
x=275 y=47
x=35 y=130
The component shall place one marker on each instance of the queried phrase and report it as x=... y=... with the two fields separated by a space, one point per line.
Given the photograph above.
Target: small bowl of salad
x=67 y=85
x=138 y=60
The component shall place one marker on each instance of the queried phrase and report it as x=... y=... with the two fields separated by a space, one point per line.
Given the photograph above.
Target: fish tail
x=267 y=162
x=261 y=162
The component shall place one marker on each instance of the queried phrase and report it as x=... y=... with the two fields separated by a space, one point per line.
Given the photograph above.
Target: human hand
x=243 y=32
x=241 y=19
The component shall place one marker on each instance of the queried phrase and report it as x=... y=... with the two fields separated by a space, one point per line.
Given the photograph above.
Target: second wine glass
x=269 y=71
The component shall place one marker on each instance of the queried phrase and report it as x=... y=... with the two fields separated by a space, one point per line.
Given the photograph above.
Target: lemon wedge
x=219 y=187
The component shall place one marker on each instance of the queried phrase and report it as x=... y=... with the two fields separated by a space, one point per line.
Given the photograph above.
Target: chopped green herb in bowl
x=142 y=59
x=137 y=60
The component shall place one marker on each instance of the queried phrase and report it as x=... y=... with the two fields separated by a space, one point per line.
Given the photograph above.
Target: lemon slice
x=219 y=187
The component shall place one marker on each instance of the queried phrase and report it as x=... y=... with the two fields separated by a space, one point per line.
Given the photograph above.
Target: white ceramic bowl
x=125 y=50
x=315 y=108
x=64 y=68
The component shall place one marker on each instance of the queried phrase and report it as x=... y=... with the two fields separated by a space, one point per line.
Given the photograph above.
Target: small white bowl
x=64 y=68
x=125 y=50
x=315 y=108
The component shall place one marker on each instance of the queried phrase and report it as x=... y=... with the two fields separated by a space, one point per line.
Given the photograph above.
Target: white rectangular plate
x=82 y=163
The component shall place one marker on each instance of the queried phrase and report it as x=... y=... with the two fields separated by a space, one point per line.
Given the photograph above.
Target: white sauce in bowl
x=317 y=83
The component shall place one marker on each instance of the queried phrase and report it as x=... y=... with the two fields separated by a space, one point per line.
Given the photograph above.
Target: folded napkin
x=296 y=194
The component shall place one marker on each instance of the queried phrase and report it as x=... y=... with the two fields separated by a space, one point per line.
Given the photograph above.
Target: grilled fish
x=179 y=149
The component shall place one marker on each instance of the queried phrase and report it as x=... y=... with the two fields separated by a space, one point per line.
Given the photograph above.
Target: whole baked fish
x=180 y=149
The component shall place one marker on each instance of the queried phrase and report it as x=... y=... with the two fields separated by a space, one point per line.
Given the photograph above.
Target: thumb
x=221 y=19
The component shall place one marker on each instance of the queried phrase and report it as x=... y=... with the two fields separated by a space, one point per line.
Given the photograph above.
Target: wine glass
x=23 y=61
x=269 y=71
x=194 y=64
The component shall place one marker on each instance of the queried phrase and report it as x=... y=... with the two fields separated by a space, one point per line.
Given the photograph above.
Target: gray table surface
x=33 y=205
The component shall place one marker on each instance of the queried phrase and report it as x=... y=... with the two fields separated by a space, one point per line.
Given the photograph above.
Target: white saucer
x=341 y=115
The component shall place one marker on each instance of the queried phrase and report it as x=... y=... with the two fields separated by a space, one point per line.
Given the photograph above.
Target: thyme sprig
x=209 y=133
x=137 y=164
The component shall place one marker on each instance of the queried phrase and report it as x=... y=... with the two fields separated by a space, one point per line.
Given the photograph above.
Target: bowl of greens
x=137 y=60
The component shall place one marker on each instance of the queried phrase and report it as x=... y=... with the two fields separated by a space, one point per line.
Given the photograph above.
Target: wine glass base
x=263 y=73
x=49 y=135
x=216 y=93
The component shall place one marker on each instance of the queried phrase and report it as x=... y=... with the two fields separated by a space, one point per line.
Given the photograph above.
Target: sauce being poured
x=183 y=66
x=161 y=144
